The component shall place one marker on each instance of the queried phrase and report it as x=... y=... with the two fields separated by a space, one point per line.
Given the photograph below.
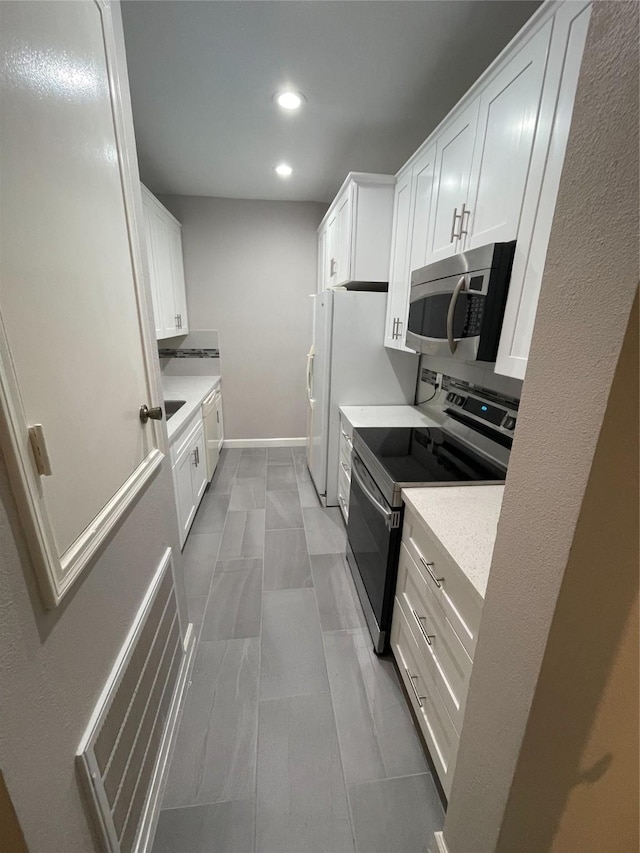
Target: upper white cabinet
x=507 y=121
x=451 y=191
x=354 y=238
x=490 y=173
x=164 y=249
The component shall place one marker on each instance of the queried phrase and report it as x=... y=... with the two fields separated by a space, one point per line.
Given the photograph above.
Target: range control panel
x=482 y=409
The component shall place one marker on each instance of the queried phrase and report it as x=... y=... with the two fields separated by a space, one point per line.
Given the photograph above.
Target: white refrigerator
x=348 y=365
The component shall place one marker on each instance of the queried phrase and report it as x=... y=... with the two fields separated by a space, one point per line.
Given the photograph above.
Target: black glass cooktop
x=427 y=455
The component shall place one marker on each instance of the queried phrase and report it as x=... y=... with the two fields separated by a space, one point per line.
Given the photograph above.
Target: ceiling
x=378 y=77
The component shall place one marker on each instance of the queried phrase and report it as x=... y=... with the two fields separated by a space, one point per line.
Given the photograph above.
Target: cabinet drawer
x=344 y=489
x=437 y=728
x=182 y=442
x=445 y=656
x=452 y=591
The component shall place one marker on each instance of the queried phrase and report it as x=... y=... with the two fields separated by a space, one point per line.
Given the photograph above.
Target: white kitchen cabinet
x=451 y=190
x=507 y=122
x=411 y=217
x=570 y=27
x=189 y=473
x=399 y=273
x=355 y=235
x=166 y=269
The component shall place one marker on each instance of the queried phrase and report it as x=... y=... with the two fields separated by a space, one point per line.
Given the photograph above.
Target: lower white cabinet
x=435 y=624
x=189 y=474
x=344 y=466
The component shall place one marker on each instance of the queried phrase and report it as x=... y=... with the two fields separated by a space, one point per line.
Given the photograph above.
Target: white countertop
x=464 y=519
x=192 y=389
x=386 y=416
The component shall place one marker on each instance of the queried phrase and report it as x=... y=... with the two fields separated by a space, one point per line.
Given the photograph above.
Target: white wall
x=250 y=267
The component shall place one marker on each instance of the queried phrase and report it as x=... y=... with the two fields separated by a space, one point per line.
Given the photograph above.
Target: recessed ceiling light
x=284 y=170
x=289 y=100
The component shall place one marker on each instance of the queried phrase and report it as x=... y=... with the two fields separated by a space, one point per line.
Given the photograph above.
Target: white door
x=507 y=124
x=423 y=179
x=343 y=259
x=74 y=354
x=174 y=233
x=398 y=297
x=453 y=170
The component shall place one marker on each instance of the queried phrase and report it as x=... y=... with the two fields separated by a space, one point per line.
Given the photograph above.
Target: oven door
x=445 y=317
x=373 y=533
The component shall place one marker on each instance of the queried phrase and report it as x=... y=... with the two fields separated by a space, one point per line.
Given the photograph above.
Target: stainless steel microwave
x=457 y=305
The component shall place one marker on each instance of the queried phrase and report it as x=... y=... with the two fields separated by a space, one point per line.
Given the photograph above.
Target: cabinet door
x=153 y=278
x=183 y=483
x=199 y=467
x=219 y=421
x=343 y=255
x=160 y=246
x=332 y=250
x=174 y=233
x=507 y=123
x=322 y=260
x=453 y=170
x=399 y=274
x=423 y=179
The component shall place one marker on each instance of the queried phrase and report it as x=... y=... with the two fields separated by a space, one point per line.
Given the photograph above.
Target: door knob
x=155 y=413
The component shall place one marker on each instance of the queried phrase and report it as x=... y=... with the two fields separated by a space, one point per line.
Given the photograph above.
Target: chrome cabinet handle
x=154 y=413
x=343 y=502
x=399 y=329
x=453 y=344
x=428 y=637
x=332 y=267
x=393 y=331
x=345 y=468
x=465 y=212
x=437 y=581
x=194 y=454
x=347 y=438
x=419 y=699
x=456 y=215
x=197 y=455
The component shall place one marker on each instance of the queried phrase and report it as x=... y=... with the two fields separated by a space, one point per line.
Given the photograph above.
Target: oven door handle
x=453 y=344
x=387 y=514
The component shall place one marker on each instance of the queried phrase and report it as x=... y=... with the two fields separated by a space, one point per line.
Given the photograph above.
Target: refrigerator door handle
x=310 y=357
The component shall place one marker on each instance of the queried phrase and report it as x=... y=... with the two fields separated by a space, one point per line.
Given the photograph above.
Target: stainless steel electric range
x=467 y=442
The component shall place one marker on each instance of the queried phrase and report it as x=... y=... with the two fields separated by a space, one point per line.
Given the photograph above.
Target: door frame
x=57 y=573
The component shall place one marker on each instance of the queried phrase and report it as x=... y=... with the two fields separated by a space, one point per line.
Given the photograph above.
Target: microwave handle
x=453 y=344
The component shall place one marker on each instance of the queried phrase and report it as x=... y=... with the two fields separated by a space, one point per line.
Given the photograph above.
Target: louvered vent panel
x=123 y=744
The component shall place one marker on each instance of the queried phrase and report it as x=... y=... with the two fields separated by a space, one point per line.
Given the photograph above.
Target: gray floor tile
x=238 y=565
x=199 y=561
x=300 y=464
x=279 y=456
x=215 y=752
x=286 y=561
x=211 y=514
x=326 y=533
x=225 y=472
x=252 y=465
x=292 y=655
x=216 y=828
x=243 y=535
x=281 y=477
x=377 y=736
x=283 y=510
x=301 y=804
x=195 y=609
x=233 y=609
x=395 y=815
x=248 y=493
x=337 y=598
x=308 y=494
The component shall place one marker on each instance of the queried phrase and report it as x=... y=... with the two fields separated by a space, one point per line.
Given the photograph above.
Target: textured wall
x=589 y=283
x=250 y=267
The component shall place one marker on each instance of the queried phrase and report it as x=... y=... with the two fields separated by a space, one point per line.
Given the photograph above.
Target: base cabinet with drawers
x=344 y=466
x=433 y=637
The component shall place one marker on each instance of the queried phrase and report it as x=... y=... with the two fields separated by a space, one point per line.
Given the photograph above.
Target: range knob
x=459 y=400
x=450 y=397
x=509 y=422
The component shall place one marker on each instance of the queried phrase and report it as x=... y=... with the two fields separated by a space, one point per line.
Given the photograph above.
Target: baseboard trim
x=438 y=844
x=265 y=442
x=149 y=822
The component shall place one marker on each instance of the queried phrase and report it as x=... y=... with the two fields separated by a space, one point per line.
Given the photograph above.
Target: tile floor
x=295 y=737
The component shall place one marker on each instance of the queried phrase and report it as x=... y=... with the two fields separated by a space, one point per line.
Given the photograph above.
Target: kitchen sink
x=172 y=406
